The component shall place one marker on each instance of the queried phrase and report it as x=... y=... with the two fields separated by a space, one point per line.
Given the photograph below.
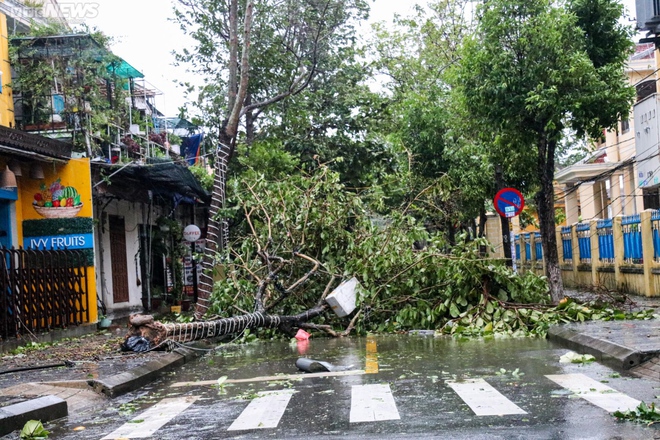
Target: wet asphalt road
x=415 y=373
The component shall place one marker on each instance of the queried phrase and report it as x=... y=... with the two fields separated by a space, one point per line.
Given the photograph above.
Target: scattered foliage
x=33 y=430
x=647 y=414
x=574 y=358
x=126 y=409
x=515 y=373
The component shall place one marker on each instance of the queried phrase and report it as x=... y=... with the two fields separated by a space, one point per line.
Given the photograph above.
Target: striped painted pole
x=217 y=236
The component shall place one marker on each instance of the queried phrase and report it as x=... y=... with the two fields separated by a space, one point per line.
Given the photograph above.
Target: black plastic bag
x=137 y=344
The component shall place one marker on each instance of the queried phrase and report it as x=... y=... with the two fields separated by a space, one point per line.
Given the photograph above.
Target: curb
x=606 y=352
x=138 y=377
x=45 y=408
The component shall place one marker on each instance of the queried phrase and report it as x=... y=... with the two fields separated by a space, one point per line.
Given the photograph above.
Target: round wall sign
x=191 y=233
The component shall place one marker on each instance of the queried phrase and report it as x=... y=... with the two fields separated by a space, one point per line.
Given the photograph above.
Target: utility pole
x=506 y=234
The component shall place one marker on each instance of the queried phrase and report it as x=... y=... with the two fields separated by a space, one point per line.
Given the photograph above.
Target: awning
x=73 y=45
x=124 y=70
x=140 y=183
x=587 y=172
x=174 y=123
x=33 y=146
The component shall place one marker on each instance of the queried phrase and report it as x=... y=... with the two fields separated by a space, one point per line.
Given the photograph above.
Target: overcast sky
x=145 y=37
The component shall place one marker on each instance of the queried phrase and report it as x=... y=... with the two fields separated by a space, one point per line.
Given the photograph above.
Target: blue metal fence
x=605 y=241
x=655 y=225
x=584 y=242
x=517 y=238
x=567 y=243
x=631 y=229
x=632 y=239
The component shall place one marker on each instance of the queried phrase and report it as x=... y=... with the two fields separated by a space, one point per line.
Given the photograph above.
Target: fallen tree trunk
x=159 y=334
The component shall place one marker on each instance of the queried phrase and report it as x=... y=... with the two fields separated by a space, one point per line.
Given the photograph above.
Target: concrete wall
x=134 y=214
x=6 y=99
x=74 y=173
x=639 y=278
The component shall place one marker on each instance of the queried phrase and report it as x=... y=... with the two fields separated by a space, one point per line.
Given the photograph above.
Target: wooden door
x=118 y=259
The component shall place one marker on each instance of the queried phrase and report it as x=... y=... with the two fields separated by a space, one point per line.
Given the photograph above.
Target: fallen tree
x=296 y=236
x=158 y=334
x=155 y=334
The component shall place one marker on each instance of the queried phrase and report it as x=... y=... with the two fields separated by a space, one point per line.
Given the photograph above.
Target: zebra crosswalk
x=150 y=421
x=372 y=403
x=375 y=402
x=483 y=399
x=595 y=392
x=265 y=411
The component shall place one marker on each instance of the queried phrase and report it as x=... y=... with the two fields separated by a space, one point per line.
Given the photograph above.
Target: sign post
x=191 y=234
x=509 y=202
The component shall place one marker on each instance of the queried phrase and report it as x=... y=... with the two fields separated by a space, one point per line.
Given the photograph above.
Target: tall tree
x=337 y=116
x=535 y=67
x=253 y=54
x=414 y=55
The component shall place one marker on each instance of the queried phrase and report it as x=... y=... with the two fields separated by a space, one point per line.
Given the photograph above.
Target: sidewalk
x=624 y=345
x=51 y=393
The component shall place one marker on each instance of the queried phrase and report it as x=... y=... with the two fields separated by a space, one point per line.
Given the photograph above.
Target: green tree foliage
x=337 y=117
x=647 y=414
x=408 y=277
x=414 y=55
x=534 y=68
x=255 y=54
x=306 y=83
x=285 y=48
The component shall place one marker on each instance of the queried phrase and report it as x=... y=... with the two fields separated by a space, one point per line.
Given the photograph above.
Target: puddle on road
x=412 y=356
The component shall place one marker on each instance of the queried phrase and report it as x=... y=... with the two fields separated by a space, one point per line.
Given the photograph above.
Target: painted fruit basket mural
x=57 y=201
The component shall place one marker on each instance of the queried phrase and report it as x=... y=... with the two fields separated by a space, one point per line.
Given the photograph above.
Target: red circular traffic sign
x=509 y=202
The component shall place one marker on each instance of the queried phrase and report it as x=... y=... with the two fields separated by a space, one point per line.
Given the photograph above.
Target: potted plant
x=176 y=251
x=156 y=302
x=156 y=297
x=104 y=322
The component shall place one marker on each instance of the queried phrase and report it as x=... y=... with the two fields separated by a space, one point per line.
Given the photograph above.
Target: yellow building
x=45 y=205
x=6 y=101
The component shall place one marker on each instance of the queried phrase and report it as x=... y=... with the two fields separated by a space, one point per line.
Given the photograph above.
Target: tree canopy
x=534 y=68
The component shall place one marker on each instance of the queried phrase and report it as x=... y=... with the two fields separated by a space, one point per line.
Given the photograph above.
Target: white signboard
x=191 y=233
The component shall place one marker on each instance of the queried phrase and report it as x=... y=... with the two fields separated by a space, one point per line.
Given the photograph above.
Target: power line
x=610 y=172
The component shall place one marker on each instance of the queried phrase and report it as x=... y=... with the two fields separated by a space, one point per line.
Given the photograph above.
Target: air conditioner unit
x=647 y=141
x=648 y=14
x=135 y=129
